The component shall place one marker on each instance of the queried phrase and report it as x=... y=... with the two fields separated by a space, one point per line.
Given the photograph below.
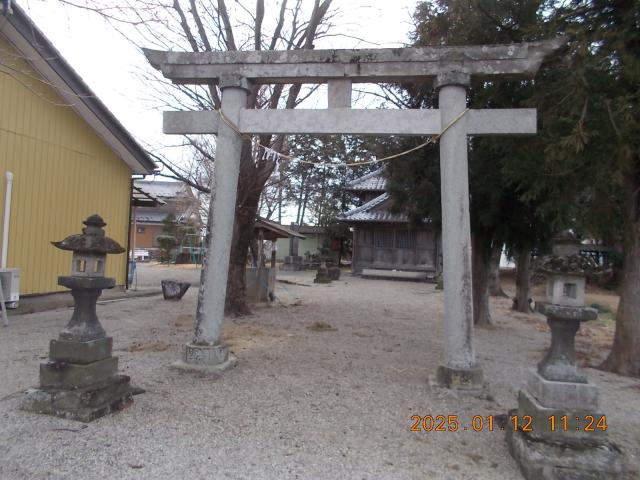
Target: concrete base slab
x=553 y=394
x=73 y=375
x=81 y=404
x=80 y=352
x=230 y=362
x=552 y=461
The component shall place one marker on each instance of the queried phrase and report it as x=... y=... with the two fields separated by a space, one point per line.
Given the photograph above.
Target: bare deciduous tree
x=201 y=26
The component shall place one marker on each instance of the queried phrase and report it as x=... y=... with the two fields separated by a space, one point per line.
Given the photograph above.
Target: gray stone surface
x=84 y=325
x=517 y=121
x=72 y=375
x=84 y=404
x=563 y=312
x=213 y=283
x=173 y=289
x=322 y=275
x=292 y=263
x=576 y=422
x=205 y=354
x=339 y=93
x=560 y=361
x=548 y=461
x=580 y=396
x=218 y=368
x=80 y=352
x=363 y=65
x=463 y=378
x=456 y=237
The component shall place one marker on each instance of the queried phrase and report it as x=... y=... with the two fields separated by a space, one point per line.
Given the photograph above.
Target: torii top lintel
x=518 y=61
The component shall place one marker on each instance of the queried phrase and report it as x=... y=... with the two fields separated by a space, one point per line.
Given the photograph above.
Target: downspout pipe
x=6 y=218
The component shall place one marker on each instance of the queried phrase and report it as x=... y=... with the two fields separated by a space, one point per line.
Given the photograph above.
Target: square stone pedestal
x=206 y=358
x=292 y=263
x=80 y=382
x=556 y=461
x=562 y=448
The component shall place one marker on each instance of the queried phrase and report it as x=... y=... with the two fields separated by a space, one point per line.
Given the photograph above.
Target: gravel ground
x=301 y=403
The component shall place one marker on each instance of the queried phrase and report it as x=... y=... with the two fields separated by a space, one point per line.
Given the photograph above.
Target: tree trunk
x=481 y=253
x=247 y=203
x=495 y=286
x=624 y=357
x=304 y=207
x=521 y=301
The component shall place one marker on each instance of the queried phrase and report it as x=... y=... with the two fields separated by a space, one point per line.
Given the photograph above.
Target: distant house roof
x=148 y=216
x=273 y=230
x=372 y=182
x=164 y=189
x=23 y=34
x=142 y=198
x=374 y=211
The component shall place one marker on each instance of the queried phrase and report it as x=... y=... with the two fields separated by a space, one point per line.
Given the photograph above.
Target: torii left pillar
x=460 y=369
x=207 y=351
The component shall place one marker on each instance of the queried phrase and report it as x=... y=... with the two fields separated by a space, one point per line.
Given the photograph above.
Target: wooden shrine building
x=384 y=241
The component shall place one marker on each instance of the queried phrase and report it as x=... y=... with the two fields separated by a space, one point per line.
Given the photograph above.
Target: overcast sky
x=111 y=64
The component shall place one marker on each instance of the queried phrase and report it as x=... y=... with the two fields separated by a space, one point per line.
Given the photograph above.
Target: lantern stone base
x=82 y=404
x=81 y=382
x=80 y=352
x=539 y=460
x=206 y=358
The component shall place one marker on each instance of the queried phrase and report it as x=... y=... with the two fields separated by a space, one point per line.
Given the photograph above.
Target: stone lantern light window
x=566 y=278
x=566 y=289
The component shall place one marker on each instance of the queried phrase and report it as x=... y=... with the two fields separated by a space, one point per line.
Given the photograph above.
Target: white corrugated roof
x=163 y=189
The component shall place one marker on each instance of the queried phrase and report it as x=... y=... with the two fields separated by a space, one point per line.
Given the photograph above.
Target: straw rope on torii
x=450 y=67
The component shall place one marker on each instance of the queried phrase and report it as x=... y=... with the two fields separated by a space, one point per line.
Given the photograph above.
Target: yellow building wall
x=63 y=172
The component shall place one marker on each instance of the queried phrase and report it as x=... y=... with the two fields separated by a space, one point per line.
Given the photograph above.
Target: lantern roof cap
x=567 y=264
x=91 y=240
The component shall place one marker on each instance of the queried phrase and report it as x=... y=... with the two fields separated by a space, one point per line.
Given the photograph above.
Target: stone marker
x=561 y=431
x=293 y=261
x=80 y=381
x=322 y=275
x=334 y=273
x=174 y=290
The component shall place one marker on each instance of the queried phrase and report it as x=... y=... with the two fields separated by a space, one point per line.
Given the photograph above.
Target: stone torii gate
x=452 y=69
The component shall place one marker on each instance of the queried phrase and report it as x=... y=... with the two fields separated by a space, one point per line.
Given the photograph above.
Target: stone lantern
x=81 y=380
x=565 y=430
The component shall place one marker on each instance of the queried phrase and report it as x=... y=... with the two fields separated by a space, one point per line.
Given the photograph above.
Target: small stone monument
x=173 y=289
x=322 y=275
x=80 y=381
x=561 y=433
x=293 y=261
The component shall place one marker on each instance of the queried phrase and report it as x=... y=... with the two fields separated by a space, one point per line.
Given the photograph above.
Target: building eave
x=29 y=40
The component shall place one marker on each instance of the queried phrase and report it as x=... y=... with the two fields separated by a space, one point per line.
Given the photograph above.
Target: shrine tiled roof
x=373 y=211
x=372 y=182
